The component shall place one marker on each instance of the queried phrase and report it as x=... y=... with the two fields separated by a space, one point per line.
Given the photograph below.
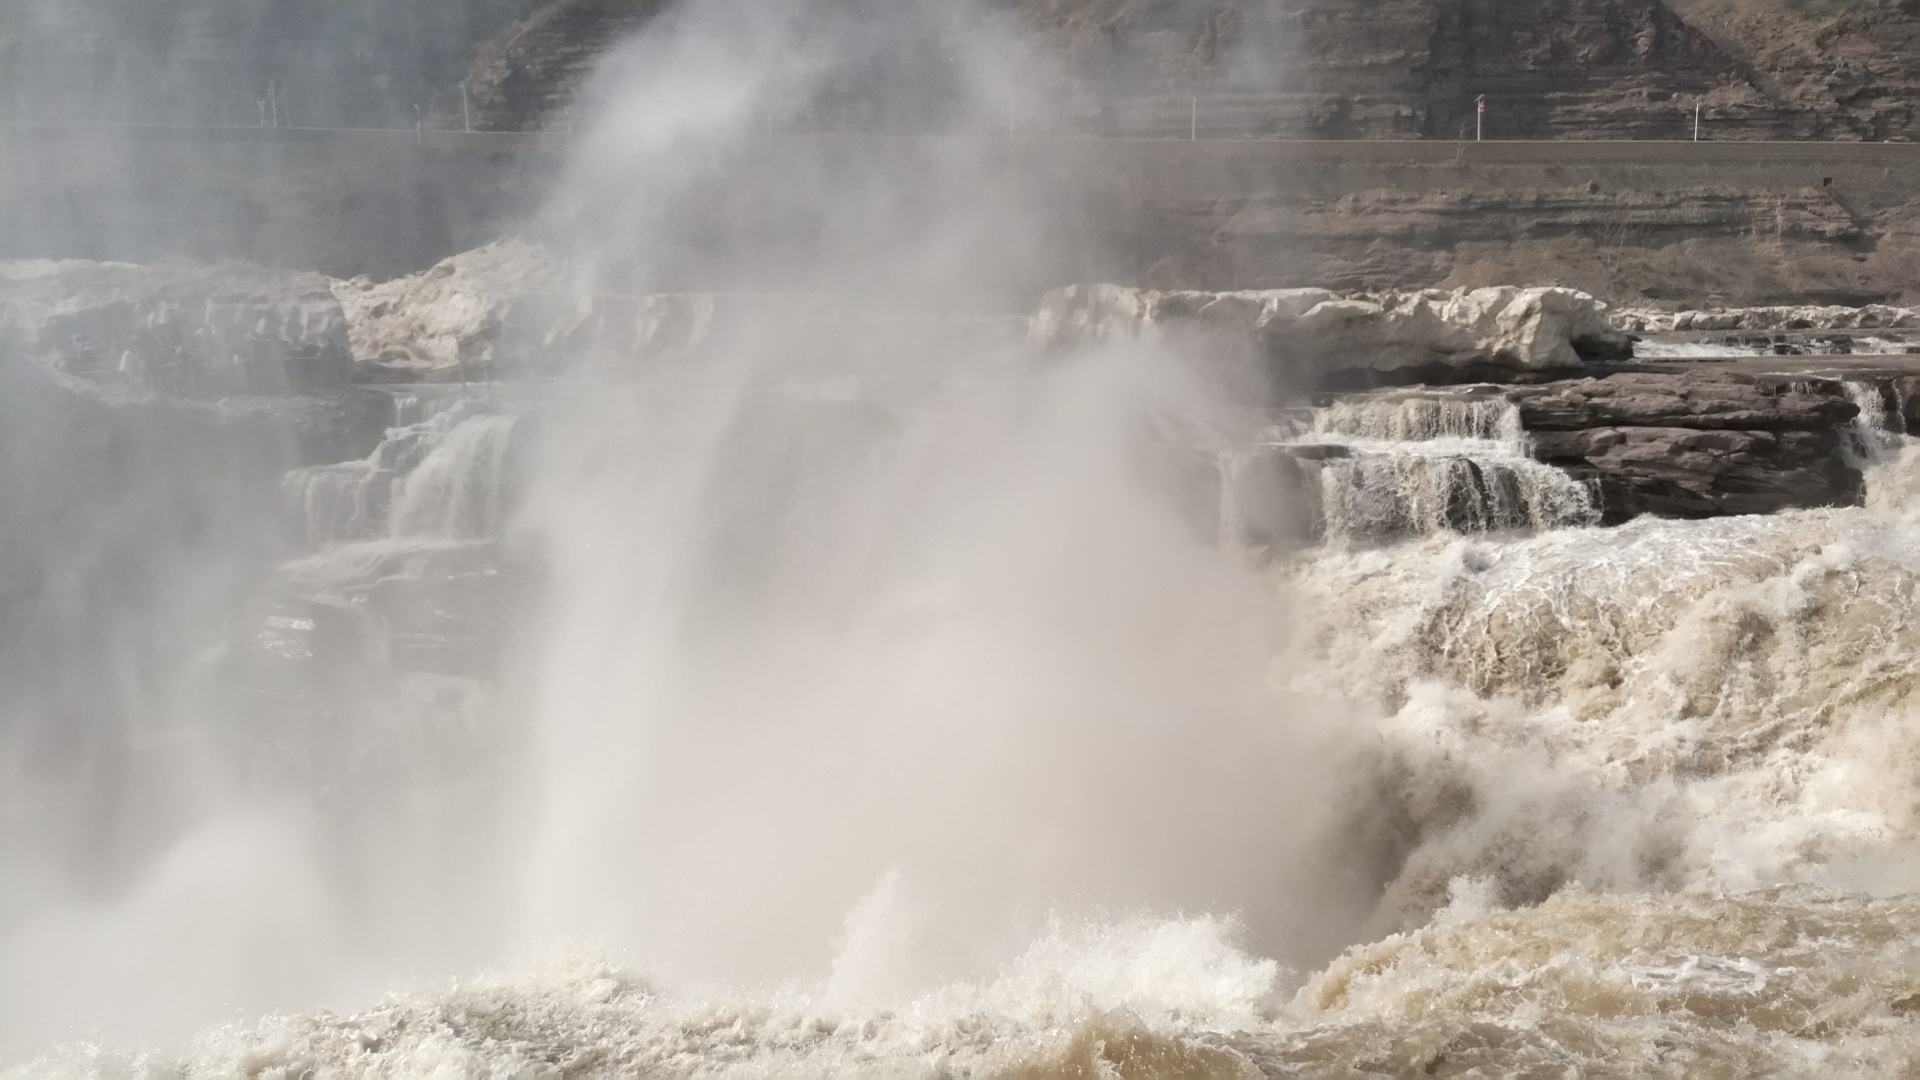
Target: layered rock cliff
x=1224 y=68
x=1835 y=70
x=343 y=63
x=1337 y=69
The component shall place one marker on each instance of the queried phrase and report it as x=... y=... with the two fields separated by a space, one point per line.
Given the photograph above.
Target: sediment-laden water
x=1020 y=777
x=831 y=696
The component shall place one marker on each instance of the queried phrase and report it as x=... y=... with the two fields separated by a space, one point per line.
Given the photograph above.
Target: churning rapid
x=804 y=685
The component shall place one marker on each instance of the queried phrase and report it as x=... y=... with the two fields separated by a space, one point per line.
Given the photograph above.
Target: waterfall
x=455 y=493
x=435 y=474
x=1411 y=464
x=1418 y=418
x=347 y=501
x=1879 y=429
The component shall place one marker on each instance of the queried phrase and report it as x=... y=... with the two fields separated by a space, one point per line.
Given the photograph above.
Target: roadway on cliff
x=1358 y=151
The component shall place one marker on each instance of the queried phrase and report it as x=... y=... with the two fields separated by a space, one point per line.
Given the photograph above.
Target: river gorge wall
x=1640 y=223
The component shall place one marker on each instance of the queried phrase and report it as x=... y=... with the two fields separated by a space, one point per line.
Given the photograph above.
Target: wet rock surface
x=1702 y=444
x=1708 y=400
x=1689 y=472
x=1259 y=68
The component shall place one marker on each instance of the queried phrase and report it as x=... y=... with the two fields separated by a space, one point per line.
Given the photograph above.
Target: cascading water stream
x=1879 y=430
x=1404 y=464
x=1423 y=464
x=436 y=475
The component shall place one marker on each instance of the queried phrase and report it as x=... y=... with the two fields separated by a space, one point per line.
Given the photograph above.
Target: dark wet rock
x=1708 y=400
x=1695 y=473
x=1698 y=444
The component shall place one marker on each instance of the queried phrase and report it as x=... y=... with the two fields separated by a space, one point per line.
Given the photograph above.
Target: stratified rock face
x=1686 y=472
x=1313 y=337
x=191 y=329
x=342 y=63
x=1707 y=401
x=1221 y=68
x=529 y=72
x=1239 y=69
x=1698 y=444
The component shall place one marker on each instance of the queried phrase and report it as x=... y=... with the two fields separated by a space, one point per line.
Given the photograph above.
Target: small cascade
x=436 y=474
x=347 y=501
x=1374 y=495
x=1407 y=418
x=455 y=493
x=1400 y=464
x=1879 y=429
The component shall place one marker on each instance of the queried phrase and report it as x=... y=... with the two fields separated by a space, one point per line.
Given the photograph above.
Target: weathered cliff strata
x=1838 y=70
x=1699 y=443
x=1255 y=68
x=1588 y=69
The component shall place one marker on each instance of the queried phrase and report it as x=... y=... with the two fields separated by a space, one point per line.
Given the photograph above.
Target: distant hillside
x=321 y=63
x=1584 y=69
x=1284 y=68
x=1839 y=69
x=1339 y=69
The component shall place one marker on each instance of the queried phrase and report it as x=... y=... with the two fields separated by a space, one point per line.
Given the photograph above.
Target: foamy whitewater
x=1645 y=795
x=846 y=695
